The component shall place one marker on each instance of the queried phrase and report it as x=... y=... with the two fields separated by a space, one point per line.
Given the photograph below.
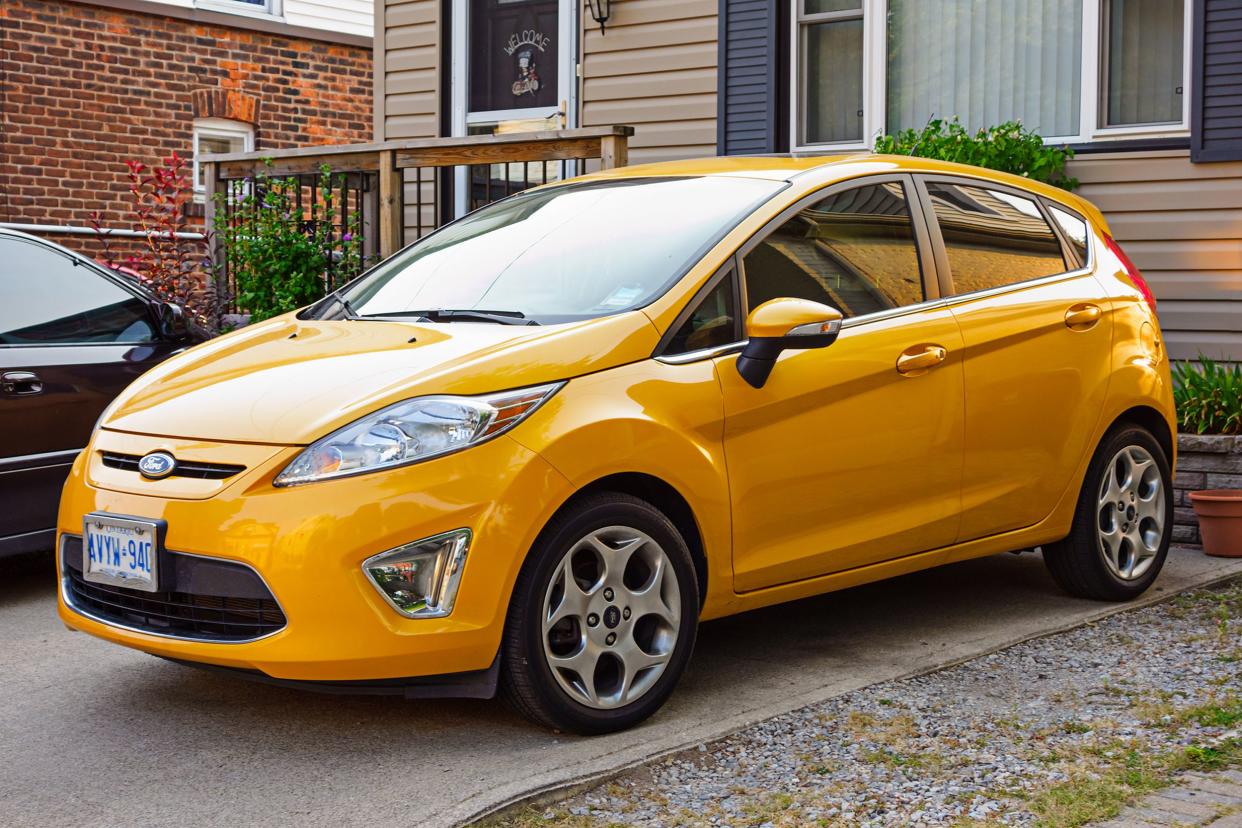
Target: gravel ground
x=1057 y=731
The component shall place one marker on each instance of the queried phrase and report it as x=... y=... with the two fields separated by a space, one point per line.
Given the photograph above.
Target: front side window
x=564 y=253
x=1144 y=62
x=46 y=298
x=854 y=251
x=993 y=238
x=712 y=323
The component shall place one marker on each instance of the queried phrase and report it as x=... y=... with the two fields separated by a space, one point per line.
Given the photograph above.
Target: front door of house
x=513 y=70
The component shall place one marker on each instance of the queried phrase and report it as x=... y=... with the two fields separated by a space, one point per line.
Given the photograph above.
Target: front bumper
x=307 y=544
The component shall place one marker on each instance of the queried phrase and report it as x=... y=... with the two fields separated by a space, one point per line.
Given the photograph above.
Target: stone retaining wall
x=1203 y=462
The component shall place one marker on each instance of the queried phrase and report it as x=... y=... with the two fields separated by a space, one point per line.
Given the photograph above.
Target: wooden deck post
x=391 y=220
x=614 y=151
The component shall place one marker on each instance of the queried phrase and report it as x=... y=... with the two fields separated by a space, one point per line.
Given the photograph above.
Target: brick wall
x=1203 y=462
x=83 y=88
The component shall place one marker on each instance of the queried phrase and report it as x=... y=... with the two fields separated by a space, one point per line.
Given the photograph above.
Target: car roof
x=839 y=167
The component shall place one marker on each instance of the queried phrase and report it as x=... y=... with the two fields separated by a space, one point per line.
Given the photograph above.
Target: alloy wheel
x=611 y=617
x=1131 y=513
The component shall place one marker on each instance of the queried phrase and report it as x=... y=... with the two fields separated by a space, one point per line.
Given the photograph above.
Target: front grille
x=209 y=599
x=203 y=471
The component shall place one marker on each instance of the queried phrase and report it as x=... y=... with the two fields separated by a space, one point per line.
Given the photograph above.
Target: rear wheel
x=603 y=617
x=1123 y=522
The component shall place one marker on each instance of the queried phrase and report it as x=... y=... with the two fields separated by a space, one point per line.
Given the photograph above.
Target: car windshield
x=561 y=254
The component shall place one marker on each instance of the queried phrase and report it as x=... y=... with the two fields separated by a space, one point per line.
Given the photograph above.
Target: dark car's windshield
x=571 y=252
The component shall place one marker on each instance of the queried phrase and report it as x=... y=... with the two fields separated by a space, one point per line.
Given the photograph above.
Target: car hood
x=289 y=382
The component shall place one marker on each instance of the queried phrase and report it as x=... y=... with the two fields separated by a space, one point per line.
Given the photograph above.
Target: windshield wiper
x=501 y=317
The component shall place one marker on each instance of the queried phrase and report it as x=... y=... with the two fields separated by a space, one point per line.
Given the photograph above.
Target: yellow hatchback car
x=533 y=450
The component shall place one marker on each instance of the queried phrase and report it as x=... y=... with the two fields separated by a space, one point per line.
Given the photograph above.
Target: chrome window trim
x=65 y=596
x=701 y=354
x=1029 y=283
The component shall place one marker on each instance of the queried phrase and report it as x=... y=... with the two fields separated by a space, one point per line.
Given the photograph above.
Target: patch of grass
x=1098 y=793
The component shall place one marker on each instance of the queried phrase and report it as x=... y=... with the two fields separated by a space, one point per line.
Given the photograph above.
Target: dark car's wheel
x=1124 y=519
x=603 y=617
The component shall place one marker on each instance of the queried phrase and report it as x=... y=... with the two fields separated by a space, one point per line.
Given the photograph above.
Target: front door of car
x=1038 y=346
x=70 y=339
x=851 y=454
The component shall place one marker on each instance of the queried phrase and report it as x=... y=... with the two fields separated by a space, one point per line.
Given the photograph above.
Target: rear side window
x=1075 y=230
x=854 y=250
x=47 y=299
x=711 y=324
x=993 y=238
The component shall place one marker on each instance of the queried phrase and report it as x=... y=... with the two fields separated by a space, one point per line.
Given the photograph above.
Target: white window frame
x=875 y=80
x=269 y=8
x=218 y=128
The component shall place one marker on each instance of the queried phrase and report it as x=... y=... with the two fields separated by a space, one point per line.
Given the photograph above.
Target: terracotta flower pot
x=1220 y=521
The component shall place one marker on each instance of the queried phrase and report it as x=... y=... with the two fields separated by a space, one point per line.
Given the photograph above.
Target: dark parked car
x=72 y=335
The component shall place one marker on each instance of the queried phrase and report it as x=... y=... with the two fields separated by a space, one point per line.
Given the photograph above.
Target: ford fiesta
x=532 y=451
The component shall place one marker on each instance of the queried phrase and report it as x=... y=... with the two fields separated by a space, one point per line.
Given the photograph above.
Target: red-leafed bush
x=173 y=261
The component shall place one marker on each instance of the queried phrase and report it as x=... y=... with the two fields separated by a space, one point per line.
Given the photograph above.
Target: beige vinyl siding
x=407 y=105
x=1181 y=223
x=655 y=70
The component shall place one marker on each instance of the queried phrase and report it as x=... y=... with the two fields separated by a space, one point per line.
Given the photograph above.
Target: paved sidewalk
x=1212 y=800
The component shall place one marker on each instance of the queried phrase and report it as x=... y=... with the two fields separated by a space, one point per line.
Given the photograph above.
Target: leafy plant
x=173 y=261
x=1208 y=396
x=1008 y=147
x=283 y=251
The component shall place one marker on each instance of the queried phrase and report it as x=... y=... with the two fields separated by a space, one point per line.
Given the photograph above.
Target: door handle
x=19 y=383
x=1083 y=316
x=920 y=359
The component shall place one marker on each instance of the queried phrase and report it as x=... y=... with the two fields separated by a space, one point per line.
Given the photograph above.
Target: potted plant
x=1209 y=411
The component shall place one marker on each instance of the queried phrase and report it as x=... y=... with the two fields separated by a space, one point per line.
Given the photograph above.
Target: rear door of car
x=71 y=337
x=1038 y=338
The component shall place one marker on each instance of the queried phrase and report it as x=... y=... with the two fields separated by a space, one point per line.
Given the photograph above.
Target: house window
x=216 y=135
x=261 y=7
x=1143 y=62
x=1071 y=70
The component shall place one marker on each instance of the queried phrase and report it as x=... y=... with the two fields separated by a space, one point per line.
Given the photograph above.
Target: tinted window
x=46 y=298
x=854 y=251
x=1075 y=229
x=563 y=253
x=993 y=238
x=712 y=323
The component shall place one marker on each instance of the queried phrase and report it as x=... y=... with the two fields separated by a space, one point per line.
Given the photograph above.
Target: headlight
x=411 y=431
x=420 y=579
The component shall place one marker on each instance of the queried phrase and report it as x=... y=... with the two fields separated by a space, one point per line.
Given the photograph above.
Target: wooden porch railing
x=376 y=178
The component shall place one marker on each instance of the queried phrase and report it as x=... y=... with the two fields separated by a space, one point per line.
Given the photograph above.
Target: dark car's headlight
x=411 y=431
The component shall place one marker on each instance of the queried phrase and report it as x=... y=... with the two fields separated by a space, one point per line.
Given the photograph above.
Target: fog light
x=420 y=579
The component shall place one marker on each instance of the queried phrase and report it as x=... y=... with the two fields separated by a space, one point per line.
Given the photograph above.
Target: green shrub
x=1208 y=396
x=1007 y=147
x=281 y=256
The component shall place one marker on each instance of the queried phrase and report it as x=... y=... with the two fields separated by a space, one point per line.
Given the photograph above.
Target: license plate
x=121 y=551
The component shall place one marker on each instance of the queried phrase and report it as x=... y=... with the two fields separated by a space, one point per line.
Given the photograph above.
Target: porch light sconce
x=601 y=10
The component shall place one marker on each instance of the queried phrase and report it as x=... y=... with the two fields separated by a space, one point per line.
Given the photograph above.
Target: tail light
x=1133 y=272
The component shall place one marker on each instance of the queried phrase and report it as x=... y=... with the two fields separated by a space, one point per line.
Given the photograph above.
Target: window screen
x=46 y=299
x=854 y=251
x=993 y=238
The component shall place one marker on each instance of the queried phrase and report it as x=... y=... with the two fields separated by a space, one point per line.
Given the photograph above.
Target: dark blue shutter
x=747 y=107
x=1216 y=108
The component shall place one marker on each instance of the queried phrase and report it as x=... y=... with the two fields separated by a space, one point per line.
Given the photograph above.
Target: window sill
x=239 y=9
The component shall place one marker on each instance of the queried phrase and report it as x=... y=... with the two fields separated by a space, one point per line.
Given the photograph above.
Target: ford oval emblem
x=157 y=464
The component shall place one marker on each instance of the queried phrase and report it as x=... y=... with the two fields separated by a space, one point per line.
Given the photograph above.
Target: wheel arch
x=665 y=497
x=1154 y=422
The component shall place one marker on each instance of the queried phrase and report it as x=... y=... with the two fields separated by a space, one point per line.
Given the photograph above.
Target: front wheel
x=1123 y=522
x=603 y=617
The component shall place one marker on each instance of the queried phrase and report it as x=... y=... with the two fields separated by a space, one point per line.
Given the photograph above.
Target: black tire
x=1077 y=562
x=526 y=680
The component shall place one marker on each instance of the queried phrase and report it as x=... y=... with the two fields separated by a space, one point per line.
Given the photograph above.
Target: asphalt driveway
x=92 y=734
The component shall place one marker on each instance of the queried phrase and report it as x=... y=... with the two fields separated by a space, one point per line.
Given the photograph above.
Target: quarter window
x=712 y=323
x=47 y=299
x=993 y=238
x=854 y=250
x=1075 y=230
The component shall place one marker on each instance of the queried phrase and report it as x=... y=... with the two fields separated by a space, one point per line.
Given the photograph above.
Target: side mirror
x=173 y=324
x=780 y=325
